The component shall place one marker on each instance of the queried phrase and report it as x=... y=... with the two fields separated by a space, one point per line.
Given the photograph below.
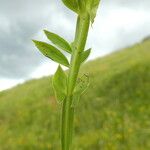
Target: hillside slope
x=114 y=114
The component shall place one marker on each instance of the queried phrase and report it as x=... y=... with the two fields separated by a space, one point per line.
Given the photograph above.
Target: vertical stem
x=82 y=28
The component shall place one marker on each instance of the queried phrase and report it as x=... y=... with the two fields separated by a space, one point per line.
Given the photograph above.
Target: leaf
x=58 y=41
x=51 y=52
x=82 y=84
x=81 y=87
x=76 y=99
x=82 y=5
x=85 y=55
x=72 y=4
x=92 y=6
x=94 y=10
x=60 y=84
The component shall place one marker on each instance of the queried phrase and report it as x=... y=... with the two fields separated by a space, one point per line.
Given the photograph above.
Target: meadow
x=113 y=114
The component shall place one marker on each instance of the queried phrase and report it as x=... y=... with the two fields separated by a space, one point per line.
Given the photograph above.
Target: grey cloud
x=15 y=60
x=128 y=3
x=22 y=20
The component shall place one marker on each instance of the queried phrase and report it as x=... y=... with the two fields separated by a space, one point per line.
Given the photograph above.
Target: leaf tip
x=35 y=41
x=45 y=31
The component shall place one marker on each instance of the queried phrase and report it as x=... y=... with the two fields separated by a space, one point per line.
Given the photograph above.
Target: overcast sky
x=119 y=23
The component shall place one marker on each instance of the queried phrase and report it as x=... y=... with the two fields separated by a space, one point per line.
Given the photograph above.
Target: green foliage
x=77 y=58
x=85 y=55
x=51 y=52
x=72 y=4
x=79 y=43
x=60 y=84
x=81 y=87
x=82 y=6
x=58 y=41
x=92 y=6
x=113 y=114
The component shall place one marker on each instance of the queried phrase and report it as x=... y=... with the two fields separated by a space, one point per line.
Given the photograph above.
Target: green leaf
x=82 y=5
x=81 y=87
x=94 y=10
x=58 y=41
x=72 y=4
x=51 y=52
x=92 y=6
x=85 y=55
x=76 y=99
x=60 y=84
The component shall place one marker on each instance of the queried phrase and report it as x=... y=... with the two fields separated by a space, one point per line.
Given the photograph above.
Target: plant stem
x=82 y=28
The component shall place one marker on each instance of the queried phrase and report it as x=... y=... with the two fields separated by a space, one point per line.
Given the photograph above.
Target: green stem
x=82 y=28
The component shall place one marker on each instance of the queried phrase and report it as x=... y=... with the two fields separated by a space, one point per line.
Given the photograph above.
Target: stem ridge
x=82 y=27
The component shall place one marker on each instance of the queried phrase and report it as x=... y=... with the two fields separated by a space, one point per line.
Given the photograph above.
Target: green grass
x=114 y=114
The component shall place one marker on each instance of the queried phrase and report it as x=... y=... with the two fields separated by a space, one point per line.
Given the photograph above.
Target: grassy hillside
x=114 y=114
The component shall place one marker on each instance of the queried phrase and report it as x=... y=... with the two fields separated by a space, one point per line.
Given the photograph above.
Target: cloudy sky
x=119 y=23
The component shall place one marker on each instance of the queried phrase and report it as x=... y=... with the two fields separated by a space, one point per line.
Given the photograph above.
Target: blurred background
x=114 y=114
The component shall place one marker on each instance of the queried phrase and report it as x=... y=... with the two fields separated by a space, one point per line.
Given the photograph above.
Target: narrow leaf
x=60 y=84
x=85 y=55
x=81 y=87
x=58 y=41
x=82 y=5
x=51 y=52
x=72 y=4
x=94 y=8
